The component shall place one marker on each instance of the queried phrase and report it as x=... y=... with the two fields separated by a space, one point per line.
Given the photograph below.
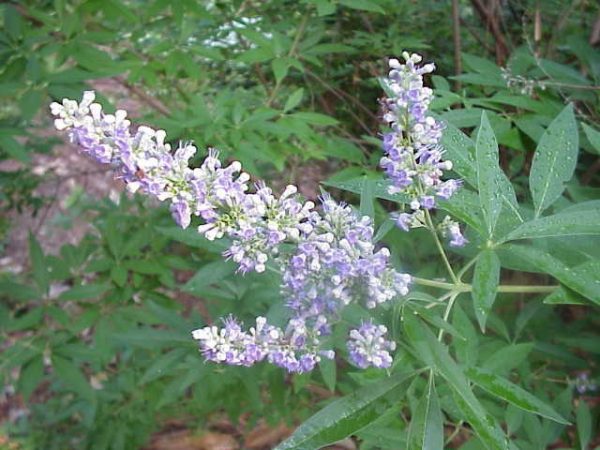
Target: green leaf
x=163 y=365
x=562 y=224
x=17 y=291
x=363 y=5
x=583 y=278
x=118 y=274
x=294 y=100
x=486 y=155
x=426 y=431
x=485 y=283
x=30 y=319
x=280 y=66
x=584 y=424
x=13 y=22
x=85 y=292
x=39 y=264
x=210 y=273
x=191 y=237
x=31 y=375
x=94 y=59
x=464 y=206
x=383 y=229
x=324 y=7
x=593 y=136
x=345 y=416
x=30 y=103
x=367 y=199
x=428 y=348
x=460 y=149
x=328 y=372
x=379 y=188
x=315 y=118
x=507 y=358
x=507 y=391
x=14 y=148
x=72 y=377
x=564 y=296
x=554 y=160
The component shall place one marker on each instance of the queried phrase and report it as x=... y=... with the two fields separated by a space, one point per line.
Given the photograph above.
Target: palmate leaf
x=345 y=416
x=554 y=160
x=433 y=353
x=460 y=149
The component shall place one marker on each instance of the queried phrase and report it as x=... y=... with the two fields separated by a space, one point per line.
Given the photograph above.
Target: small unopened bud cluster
x=413 y=158
x=525 y=86
x=450 y=229
x=327 y=262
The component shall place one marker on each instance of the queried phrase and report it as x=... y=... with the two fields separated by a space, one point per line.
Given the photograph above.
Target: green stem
x=449 y=306
x=467 y=266
x=465 y=287
x=440 y=247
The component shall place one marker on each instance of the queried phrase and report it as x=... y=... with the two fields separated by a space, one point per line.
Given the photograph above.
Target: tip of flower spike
x=201 y=333
x=88 y=97
x=394 y=63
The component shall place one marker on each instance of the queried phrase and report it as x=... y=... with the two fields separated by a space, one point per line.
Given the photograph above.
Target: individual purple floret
x=368 y=346
x=413 y=154
x=327 y=262
x=450 y=228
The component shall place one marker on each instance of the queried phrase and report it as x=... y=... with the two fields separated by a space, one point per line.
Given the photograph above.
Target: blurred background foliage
x=95 y=337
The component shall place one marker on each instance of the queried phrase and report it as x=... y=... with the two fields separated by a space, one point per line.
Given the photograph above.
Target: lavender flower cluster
x=413 y=154
x=332 y=261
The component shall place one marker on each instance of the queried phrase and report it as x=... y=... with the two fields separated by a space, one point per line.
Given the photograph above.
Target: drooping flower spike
x=329 y=261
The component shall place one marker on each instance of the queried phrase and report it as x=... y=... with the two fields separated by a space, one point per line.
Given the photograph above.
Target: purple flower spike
x=413 y=152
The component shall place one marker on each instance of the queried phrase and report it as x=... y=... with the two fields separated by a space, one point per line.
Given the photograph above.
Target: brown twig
x=457 y=44
x=148 y=99
x=478 y=38
x=490 y=19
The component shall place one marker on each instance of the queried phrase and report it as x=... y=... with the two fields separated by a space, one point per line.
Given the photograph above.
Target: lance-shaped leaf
x=561 y=224
x=426 y=430
x=583 y=278
x=554 y=160
x=460 y=149
x=488 y=174
x=367 y=199
x=378 y=187
x=344 y=416
x=485 y=283
x=593 y=136
x=433 y=353
x=510 y=392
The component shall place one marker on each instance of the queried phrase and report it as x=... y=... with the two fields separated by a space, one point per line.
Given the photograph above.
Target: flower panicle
x=332 y=261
